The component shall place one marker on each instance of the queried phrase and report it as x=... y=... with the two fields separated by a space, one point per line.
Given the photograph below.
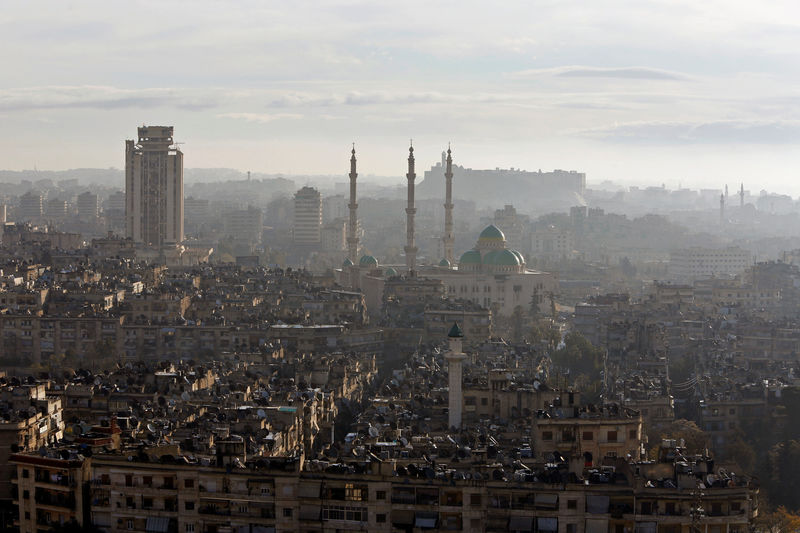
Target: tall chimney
x=410 y=249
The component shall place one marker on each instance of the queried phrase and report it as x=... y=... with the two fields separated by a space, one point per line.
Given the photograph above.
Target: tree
x=780 y=521
x=695 y=439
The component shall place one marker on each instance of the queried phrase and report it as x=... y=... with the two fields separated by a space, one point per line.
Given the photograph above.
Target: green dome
x=347 y=263
x=506 y=258
x=444 y=263
x=492 y=233
x=490 y=257
x=519 y=256
x=390 y=272
x=367 y=260
x=470 y=257
x=455 y=331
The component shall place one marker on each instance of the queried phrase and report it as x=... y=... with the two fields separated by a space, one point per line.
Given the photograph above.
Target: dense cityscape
x=344 y=265
x=251 y=355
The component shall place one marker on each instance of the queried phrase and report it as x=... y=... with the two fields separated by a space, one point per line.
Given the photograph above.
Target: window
x=380 y=494
x=475 y=499
x=189 y=506
x=612 y=436
x=632 y=434
x=188 y=483
x=26 y=494
x=147 y=503
x=189 y=528
x=287 y=512
x=547 y=435
x=572 y=504
x=380 y=518
x=344 y=512
x=26 y=473
x=27 y=515
x=588 y=435
x=147 y=481
x=484 y=401
x=130 y=523
x=355 y=493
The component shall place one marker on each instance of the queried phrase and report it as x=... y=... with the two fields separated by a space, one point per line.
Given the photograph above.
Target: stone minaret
x=448 y=238
x=455 y=357
x=721 y=208
x=410 y=249
x=352 y=227
x=741 y=196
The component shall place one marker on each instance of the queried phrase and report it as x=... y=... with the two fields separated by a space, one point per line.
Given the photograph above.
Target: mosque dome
x=444 y=263
x=505 y=258
x=490 y=258
x=519 y=256
x=491 y=233
x=470 y=257
x=367 y=261
x=347 y=263
x=390 y=272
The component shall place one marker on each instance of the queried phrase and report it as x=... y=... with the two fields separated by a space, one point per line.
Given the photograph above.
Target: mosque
x=490 y=274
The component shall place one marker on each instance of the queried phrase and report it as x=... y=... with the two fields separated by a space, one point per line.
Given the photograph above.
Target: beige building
x=154 y=187
x=88 y=206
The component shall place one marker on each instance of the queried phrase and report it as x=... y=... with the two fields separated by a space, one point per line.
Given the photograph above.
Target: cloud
x=100 y=97
x=576 y=71
x=260 y=117
x=713 y=132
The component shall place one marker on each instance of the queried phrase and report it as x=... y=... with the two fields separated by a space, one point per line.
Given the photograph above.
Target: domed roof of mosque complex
x=491 y=255
x=367 y=260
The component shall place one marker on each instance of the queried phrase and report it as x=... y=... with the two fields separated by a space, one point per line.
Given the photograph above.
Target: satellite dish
x=373 y=432
x=151 y=428
x=185 y=396
x=261 y=413
x=97 y=380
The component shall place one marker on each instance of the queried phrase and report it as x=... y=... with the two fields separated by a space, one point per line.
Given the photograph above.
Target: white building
x=307 y=216
x=699 y=263
x=154 y=187
x=495 y=277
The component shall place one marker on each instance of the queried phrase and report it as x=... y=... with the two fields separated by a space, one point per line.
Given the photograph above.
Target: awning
x=596 y=525
x=597 y=504
x=547 y=523
x=520 y=523
x=546 y=500
x=157 y=524
x=646 y=527
x=426 y=520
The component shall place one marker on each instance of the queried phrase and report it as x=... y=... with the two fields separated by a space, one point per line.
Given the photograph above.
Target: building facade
x=154 y=187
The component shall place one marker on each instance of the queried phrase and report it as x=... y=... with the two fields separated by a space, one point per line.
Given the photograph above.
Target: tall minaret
x=721 y=208
x=741 y=196
x=448 y=211
x=410 y=249
x=455 y=357
x=352 y=227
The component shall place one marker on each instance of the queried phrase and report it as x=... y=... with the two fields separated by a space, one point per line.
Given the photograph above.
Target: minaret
x=352 y=227
x=448 y=210
x=455 y=357
x=741 y=196
x=721 y=208
x=410 y=249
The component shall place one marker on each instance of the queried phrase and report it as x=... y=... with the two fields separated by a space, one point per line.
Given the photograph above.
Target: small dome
x=470 y=257
x=506 y=258
x=390 y=272
x=455 y=331
x=492 y=233
x=444 y=263
x=519 y=256
x=367 y=260
x=347 y=263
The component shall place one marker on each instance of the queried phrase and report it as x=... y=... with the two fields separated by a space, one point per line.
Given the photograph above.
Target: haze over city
x=643 y=93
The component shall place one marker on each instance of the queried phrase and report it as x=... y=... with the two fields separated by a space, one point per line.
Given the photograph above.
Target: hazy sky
x=701 y=93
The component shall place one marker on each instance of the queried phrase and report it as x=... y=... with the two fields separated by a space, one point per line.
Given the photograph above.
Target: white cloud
x=261 y=117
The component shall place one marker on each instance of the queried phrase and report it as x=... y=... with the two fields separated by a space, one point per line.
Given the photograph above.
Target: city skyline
x=645 y=93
